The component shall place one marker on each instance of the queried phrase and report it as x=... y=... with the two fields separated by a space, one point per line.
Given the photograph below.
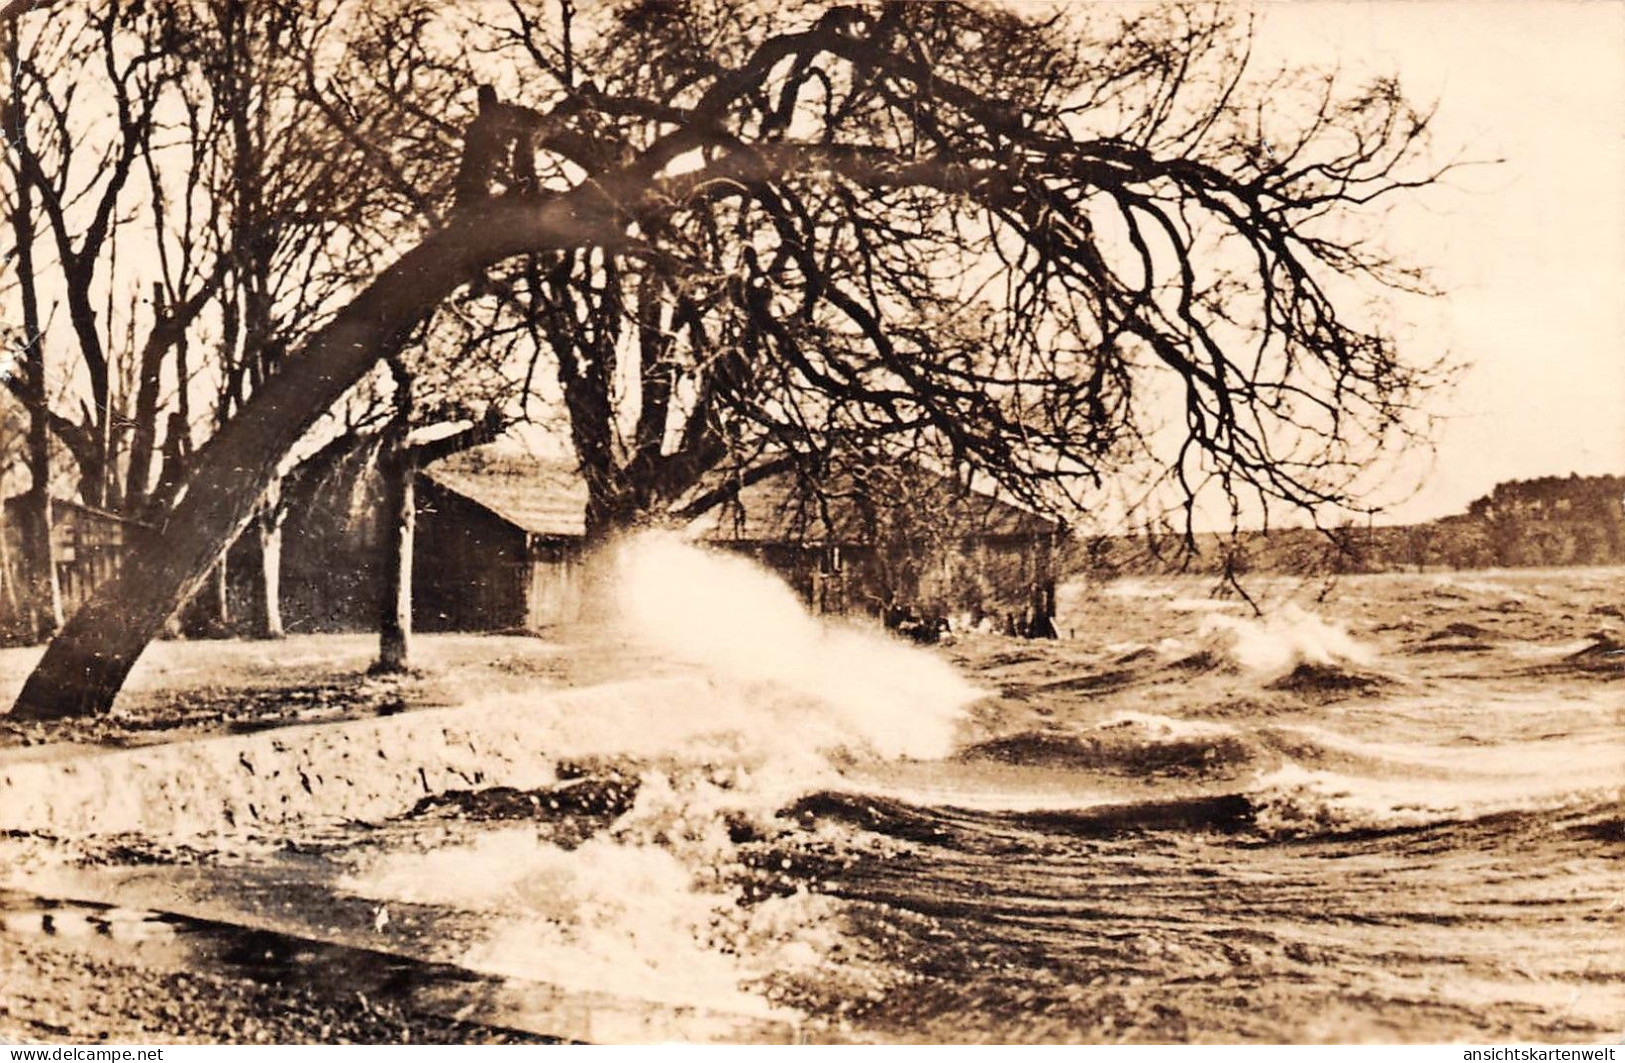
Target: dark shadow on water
x=169 y=941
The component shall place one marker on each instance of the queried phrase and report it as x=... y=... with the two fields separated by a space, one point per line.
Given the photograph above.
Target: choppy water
x=1394 y=814
x=1232 y=828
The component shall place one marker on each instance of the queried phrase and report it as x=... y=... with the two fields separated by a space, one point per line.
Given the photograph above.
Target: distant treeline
x=1549 y=521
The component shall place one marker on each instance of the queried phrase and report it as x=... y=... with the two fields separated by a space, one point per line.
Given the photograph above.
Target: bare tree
x=1154 y=235
x=25 y=374
x=948 y=226
x=182 y=133
x=73 y=162
x=84 y=117
x=399 y=460
x=295 y=221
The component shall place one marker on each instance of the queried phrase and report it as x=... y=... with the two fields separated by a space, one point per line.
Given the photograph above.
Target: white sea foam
x=742 y=623
x=650 y=907
x=1486 y=583
x=1576 y=762
x=617 y=914
x=1285 y=638
x=1167 y=726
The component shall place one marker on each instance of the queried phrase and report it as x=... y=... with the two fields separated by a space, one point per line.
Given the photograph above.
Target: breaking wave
x=1287 y=639
x=742 y=623
x=830 y=786
x=650 y=903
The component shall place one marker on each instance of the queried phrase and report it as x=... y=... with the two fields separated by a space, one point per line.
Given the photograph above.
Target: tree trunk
x=172 y=471
x=220 y=596
x=39 y=557
x=268 y=529
x=610 y=513
x=11 y=603
x=39 y=564
x=84 y=667
x=270 y=619
x=144 y=430
x=398 y=469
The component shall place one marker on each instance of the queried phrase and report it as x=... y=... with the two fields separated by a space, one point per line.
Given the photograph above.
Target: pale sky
x=1531 y=251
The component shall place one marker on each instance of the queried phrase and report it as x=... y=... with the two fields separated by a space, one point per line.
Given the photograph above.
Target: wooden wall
x=88 y=546
x=471 y=569
x=557 y=583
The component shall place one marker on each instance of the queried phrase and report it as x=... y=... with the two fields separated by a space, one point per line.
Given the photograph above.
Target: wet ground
x=1386 y=810
x=83 y=973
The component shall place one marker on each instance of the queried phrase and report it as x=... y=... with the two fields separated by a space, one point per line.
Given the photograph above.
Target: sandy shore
x=56 y=993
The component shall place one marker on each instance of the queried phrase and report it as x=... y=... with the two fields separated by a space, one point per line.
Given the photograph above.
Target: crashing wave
x=1274 y=645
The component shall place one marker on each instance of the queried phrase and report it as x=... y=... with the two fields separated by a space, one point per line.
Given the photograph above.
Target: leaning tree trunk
x=85 y=666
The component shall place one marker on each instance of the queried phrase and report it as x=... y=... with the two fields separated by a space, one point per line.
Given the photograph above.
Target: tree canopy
x=751 y=236
x=953 y=230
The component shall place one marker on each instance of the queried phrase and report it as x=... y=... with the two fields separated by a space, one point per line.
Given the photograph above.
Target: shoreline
x=60 y=993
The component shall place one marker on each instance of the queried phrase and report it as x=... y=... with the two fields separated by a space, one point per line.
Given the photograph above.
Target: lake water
x=1386 y=809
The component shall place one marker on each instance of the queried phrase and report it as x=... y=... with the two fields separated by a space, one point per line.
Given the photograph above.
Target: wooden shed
x=87 y=544
x=898 y=538
x=499 y=541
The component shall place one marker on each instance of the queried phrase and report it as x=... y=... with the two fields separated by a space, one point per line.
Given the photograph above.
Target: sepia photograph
x=975 y=522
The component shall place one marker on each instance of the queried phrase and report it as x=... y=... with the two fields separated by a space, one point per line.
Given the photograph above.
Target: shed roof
x=548 y=497
x=542 y=496
x=784 y=509
x=95 y=513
